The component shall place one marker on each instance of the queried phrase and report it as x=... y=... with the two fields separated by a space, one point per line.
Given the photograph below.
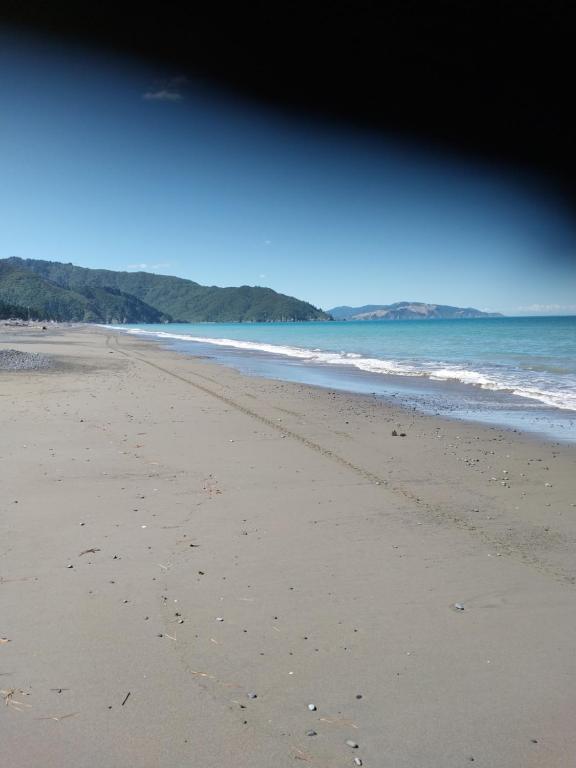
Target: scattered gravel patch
x=13 y=360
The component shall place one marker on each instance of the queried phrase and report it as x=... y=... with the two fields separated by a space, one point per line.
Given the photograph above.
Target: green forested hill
x=31 y=294
x=66 y=292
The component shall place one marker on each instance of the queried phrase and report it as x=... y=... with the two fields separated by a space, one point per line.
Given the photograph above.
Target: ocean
x=513 y=372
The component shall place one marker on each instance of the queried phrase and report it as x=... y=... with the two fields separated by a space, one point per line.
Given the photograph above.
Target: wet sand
x=178 y=532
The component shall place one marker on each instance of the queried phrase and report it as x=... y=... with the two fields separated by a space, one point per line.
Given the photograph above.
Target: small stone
x=219 y=618
x=458 y=607
x=311 y=733
x=357 y=761
x=69 y=566
x=352 y=744
x=312 y=707
x=358 y=695
x=252 y=695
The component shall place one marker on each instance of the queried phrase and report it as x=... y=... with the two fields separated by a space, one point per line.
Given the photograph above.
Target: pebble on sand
x=312 y=707
x=352 y=744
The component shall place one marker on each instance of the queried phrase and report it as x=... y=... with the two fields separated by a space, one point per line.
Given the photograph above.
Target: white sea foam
x=560 y=398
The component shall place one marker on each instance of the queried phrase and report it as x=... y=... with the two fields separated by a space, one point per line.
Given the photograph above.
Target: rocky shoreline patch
x=14 y=360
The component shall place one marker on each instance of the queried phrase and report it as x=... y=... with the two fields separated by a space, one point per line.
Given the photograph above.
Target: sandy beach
x=200 y=568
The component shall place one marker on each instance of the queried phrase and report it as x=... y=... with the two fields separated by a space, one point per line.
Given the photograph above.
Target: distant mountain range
x=407 y=310
x=50 y=290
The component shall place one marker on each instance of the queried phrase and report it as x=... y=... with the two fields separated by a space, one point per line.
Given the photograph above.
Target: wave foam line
x=561 y=399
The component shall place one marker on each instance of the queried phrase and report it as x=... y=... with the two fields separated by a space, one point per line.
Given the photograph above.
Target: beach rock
x=252 y=695
x=312 y=707
x=458 y=607
x=311 y=733
x=351 y=744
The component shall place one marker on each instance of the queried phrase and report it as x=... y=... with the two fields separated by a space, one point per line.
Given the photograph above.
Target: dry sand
x=333 y=553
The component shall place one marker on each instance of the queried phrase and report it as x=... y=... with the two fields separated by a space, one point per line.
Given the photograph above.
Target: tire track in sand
x=433 y=510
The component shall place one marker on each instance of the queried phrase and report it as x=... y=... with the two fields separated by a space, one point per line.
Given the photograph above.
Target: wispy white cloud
x=548 y=309
x=166 y=90
x=162 y=95
x=146 y=267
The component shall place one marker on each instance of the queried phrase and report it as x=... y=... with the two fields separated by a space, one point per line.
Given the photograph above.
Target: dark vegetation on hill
x=13 y=312
x=65 y=292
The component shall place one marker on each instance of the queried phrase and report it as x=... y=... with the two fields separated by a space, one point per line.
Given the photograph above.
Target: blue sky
x=109 y=163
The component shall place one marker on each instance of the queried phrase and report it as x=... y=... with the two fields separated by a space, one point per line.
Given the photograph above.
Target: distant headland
x=407 y=310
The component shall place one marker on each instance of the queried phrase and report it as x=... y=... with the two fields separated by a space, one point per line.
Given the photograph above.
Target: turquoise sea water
x=481 y=368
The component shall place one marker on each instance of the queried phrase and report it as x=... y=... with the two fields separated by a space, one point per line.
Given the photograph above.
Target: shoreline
x=451 y=399
x=182 y=492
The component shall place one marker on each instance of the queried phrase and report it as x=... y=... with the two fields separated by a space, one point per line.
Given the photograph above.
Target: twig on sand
x=339 y=721
x=202 y=674
x=126 y=697
x=306 y=757
x=10 y=701
x=90 y=551
x=8 y=693
x=4 y=580
x=58 y=717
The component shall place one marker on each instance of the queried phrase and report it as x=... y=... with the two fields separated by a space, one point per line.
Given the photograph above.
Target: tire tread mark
x=523 y=557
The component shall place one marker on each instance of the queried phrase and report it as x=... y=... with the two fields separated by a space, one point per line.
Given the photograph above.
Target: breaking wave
x=508 y=381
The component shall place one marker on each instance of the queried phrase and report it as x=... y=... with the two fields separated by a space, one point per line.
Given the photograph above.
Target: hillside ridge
x=53 y=290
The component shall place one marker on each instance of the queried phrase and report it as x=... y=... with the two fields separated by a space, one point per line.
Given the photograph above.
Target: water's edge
x=445 y=398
